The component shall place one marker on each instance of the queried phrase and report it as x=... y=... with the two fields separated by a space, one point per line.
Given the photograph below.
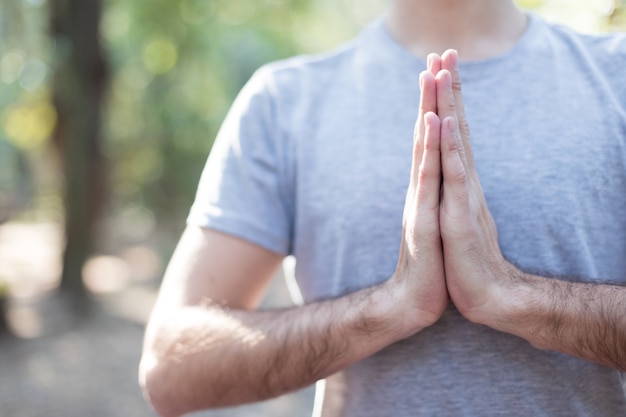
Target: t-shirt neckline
x=392 y=46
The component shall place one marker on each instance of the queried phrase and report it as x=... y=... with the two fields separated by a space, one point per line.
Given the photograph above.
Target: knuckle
x=456 y=84
x=464 y=126
x=426 y=173
x=429 y=146
x=423 y=175
x=460 y=177
x=452 y=144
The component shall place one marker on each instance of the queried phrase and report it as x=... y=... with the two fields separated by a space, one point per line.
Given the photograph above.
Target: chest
x=553 y=172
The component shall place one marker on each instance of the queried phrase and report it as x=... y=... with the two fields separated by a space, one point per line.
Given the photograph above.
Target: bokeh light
x=160 y=56
x=28 y=126
x=106 y=274
x=11 y=66
x=32 y=75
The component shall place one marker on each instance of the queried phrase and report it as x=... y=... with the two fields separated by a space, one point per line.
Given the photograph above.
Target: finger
x=433 y=63
x=429 y=174
x=428 y=103
x=450 y=62
x=455 y=194
x=446 y=107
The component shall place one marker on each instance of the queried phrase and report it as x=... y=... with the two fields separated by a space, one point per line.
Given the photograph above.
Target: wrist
x=382 y=307
x=507 y=301
x=410 y=313
x=524 y=308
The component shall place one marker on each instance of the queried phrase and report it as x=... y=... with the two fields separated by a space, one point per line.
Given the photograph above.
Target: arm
x=205 y=346
x=583 y=320
x=202 y=352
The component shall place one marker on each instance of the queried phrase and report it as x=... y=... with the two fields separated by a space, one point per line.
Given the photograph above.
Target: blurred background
x=108 y=110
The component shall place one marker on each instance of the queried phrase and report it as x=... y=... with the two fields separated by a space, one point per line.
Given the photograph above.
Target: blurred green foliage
x=176 y=66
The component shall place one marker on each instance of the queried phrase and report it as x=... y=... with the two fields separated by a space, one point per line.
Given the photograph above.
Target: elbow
x=156 y=387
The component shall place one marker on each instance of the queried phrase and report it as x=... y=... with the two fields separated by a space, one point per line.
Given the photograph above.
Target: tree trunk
x=78 y=88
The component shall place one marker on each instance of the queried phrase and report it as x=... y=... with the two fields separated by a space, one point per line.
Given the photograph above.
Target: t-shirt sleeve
x=242 y=190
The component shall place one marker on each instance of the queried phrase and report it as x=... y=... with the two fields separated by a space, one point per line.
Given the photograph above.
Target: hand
x=474 y=266
x=419 y=276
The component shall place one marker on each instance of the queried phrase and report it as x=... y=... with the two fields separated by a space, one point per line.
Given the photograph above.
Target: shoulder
x=609 y=42
x=605 y=48
x=310 y=76
x=598 y=60
x=299 y=89
x=305 y=76
x=278 y=85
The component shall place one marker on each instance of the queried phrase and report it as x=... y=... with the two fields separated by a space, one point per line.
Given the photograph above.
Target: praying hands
x=451 y=238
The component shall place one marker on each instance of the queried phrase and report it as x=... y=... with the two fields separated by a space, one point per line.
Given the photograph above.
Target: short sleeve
x=242 y=189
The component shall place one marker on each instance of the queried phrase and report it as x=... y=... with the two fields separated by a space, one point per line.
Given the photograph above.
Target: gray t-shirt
x=313 y=160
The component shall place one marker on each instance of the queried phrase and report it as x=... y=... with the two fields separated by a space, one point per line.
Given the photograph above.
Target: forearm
x=211 y=357
x=584 y=320
x=205 y=356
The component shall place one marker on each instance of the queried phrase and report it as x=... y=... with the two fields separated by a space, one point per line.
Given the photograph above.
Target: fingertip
x=428 y=75
x=450 y=58
x=444 y=76
x=450 y=53
x=433 y=63
x=432 y=123
x=454 y=58
x=431 y=118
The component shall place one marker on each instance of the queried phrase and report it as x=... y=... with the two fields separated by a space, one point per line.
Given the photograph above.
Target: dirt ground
x=55 y=364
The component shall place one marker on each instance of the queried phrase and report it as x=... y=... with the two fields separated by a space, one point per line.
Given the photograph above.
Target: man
x=462 y=320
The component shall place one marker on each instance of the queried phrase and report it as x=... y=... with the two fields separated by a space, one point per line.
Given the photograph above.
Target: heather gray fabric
x=314 y=160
